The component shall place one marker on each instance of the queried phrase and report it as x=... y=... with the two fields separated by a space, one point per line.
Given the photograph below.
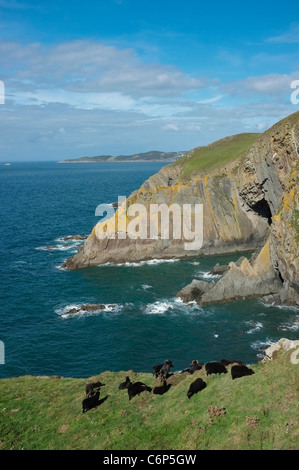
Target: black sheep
x=196 y=387
x=215 y=368
x=195 y=365
x=137 y=388
x=164 y=371
x=162 y=389
x=125 y=384
x=90 y=388
x=156 y=369
x=91 y=402
x=240 y=371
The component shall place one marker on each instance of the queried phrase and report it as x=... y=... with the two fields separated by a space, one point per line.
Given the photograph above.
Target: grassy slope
x=204 y=159
x=261 y=412
x=223 y=151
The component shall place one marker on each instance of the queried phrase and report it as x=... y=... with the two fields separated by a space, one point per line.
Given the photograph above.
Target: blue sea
x=43 y=202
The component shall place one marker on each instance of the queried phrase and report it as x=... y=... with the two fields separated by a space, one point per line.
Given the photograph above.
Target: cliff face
x=249 y=201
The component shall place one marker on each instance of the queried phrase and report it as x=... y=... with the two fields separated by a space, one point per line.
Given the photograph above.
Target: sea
x=143 y=322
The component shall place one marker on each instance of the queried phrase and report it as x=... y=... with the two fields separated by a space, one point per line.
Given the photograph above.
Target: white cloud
x=290 y=37
x=87 y=66
x=271 y=84
x=171 y=126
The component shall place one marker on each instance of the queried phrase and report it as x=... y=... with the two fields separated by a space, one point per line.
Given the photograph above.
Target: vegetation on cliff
x=204 y=159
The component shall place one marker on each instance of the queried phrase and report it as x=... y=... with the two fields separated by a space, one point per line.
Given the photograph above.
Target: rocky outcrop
x=283 y=344
x=241 y=280
x=248 y=202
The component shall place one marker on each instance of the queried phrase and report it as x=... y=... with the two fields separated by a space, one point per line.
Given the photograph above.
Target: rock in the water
x=90 y=307
x=194 y=290
x=74 y=237
x=87 y=308
x=247 y=279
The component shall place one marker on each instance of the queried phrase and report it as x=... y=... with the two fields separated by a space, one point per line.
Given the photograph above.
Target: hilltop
x=257 y=412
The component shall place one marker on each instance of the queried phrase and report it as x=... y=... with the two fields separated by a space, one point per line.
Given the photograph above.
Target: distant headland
x=152 y=156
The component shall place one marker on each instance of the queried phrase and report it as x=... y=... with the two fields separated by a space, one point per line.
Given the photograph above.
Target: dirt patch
x=63 y=428
x=215 y=411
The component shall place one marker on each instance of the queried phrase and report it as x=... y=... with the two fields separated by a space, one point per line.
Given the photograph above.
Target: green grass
x=204 y=159
x=256 y=412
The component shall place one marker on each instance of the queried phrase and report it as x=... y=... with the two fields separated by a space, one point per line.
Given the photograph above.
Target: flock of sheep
x=239 y=369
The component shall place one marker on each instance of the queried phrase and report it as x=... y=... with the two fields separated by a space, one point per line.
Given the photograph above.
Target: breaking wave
x=141 y=263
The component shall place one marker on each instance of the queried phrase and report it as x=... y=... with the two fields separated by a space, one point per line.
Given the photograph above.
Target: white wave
x=195 y=263
x=292 y=308
x=174 y=305
x=63 y=311
x=256 y=327
x=136 y=264
x=207 y=275
x=146 y=286
x=56 y=247
x=262 y=345
x=292 y=325
x=158 y=307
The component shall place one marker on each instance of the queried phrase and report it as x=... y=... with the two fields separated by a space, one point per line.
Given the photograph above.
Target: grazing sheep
x=164 y=371
x=195 y=365
x=156 y=369
x=239 y=371
x=92 y=387
x=162 y=389
x=215 y=368
x=137 y=388
x=196 y=387
x=124 y=384
x=91 y=402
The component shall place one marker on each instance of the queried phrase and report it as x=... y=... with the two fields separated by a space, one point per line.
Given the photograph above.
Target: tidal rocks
x=242 y=280
x=195 y=290
x=89 y=308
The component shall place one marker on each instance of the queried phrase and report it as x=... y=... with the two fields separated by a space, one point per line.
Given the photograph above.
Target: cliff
x=247 y=185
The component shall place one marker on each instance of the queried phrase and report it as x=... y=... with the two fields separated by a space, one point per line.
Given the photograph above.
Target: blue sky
x=126 y=76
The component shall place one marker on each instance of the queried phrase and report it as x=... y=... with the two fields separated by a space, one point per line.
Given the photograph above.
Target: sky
x=118 y=77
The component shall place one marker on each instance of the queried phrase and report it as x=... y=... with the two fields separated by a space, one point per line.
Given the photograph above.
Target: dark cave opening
x=262 y=208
